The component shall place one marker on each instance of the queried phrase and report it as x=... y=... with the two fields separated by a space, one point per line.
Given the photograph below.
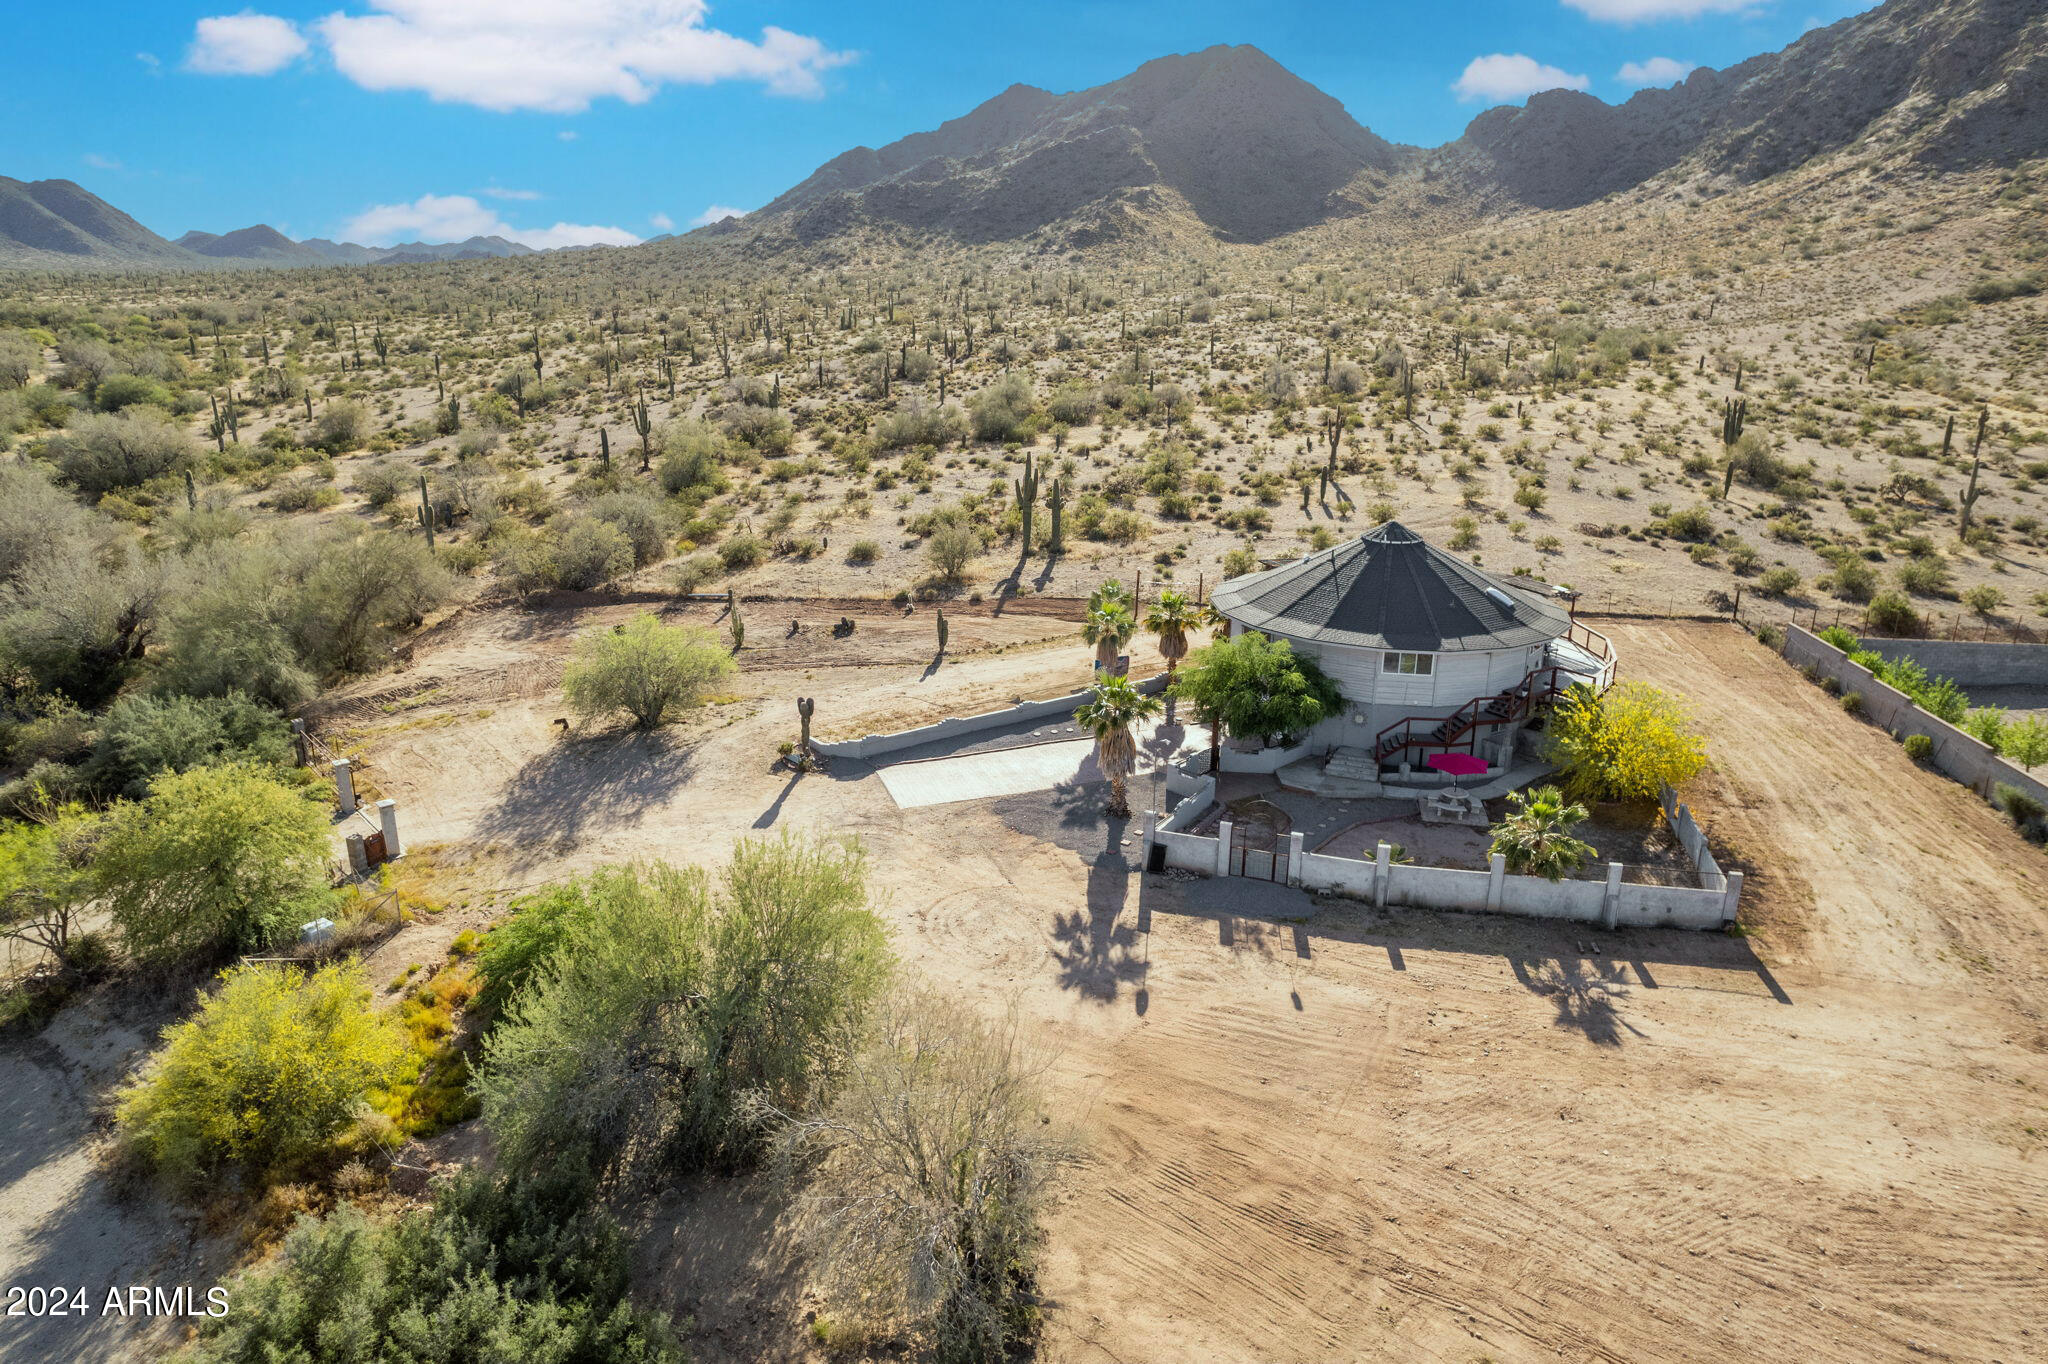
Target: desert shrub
x=695 y=572
x=381 y=482
x=496 y=1270
x=2020 y=806
x=1770 y=636
x=341 y=426
x=581 y=553
x=1852 y=702
x=1852 y=579
x=742 y=551
x=2025 y=741
x=513 y=954
x=645 y=522
x=1074 y=403
x=779 y=956
x=1926 y=575
x=128 y=390
x=645 y=669
x=924 y=1177
x=1984 y=598
x=863 y=552
x=101 y=453
x=272 y=1068
x=1778 y=582
x=1625 y=745
x=691 y=453
x=952 y=547
x=224 y=857
x=46 y=883
x=1919 y=747
x=913 y=423
x=1000 y=410
x=142 y=735
x=303 y=494
x=765 y=429
x=1892 y=614
x=1692 y=524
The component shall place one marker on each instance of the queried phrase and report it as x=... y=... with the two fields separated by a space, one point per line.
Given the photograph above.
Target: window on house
x=1413 y=664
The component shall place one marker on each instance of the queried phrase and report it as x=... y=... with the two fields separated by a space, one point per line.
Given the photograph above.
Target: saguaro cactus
x=643 y=424
x=426 y=512
x=1056 y=503
x=943 y=628
x=1027 y=499
x=1734 y=412
x=806 y=706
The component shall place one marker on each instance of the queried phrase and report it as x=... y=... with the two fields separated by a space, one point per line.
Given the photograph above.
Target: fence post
x=344 y=787
x=358 y=856
x=1294 y=858
x=1731 y=898
x=1382 y=865
x=299 y=741
x=1223 y=848
x=1610 y=904
x=387 y=816
x=1496 y=880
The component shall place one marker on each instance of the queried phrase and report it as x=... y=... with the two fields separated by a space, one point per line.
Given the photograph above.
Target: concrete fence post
x=1731 y=898
x=1610 y=904
x=1496 y=880
x=1294 y=848
x=1223 y=848
x=358 y=855
x=1382 y=872
x=387 y=817
x=344 y=787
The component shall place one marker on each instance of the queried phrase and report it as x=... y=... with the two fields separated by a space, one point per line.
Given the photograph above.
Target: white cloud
x=717 y=213
x=244 y=44
x=523 y=195
x=1656 y=71
x=567 y=135
x=1645 y=11
x=559 y=55
x=454 y=217
x=152 y=61
x=663 y=223
x=1502 y=76
x=98 y=162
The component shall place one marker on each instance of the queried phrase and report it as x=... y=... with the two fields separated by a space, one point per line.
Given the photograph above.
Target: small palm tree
x=1109 y=627
x=1171 y=618
x=1112 y=717
x=1536 y=835
x=1111 y=593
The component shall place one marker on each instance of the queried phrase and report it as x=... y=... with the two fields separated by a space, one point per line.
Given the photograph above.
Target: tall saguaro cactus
x=643 y=424
x=1056 y=503
x=1734 y=412
x=426 y=512
x=1973 y=492
x=1027 y=500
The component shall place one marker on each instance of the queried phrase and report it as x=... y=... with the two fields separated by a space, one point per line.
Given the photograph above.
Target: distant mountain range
x=1227 y=146
x=55 y=224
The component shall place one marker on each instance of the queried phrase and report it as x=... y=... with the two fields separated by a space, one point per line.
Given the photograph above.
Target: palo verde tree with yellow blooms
x=1625 y=745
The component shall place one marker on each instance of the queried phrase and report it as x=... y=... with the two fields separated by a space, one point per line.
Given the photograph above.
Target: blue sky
x=566 y=120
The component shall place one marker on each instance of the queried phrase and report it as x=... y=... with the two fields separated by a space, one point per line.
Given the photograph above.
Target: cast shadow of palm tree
x=1583 y=993
x=581 y=788
x=1097 y=951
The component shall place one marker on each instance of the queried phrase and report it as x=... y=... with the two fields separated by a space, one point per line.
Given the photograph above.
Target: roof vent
x=1505 y=602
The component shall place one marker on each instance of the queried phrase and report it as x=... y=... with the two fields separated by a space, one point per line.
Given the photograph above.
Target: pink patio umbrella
x=1457 y=765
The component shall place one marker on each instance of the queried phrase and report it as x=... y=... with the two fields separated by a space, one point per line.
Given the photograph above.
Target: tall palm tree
x=1109 y=627
x=1112 y=717
x=1536 y=835
x=1111 y=593
x=1171 y=618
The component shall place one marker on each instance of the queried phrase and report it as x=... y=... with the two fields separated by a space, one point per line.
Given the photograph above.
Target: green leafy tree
x=688 y=997
x=45 y=879
x=215 y=859
x=1252 y=687
x=2025 y=741
x=1625 y=745
x=142 y=735
x=645 y=669
x=1112 y=717
x=1536 y=835
x=272 y=1068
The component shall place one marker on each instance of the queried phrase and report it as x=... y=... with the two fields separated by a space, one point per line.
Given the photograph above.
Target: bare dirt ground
x=1316 y=1132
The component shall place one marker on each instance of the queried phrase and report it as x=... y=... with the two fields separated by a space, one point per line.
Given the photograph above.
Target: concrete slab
x=1014 y=771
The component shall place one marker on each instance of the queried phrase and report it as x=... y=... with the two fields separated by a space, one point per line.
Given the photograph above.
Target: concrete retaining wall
x=1957 y=755
x=1971 y=663
x=1192 y=806
x=1693 y=839
x=875 y=745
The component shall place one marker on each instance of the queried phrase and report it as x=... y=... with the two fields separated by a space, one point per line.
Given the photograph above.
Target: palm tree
x=1536 y=835
x=1111 y=593
x=1171 y=618
x=1112 y=717
x=1109 y=627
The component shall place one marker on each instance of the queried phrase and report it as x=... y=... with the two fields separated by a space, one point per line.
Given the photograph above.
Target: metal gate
x=1249 y=860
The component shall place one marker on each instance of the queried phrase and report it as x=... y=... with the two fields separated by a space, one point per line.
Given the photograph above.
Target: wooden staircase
x=1581 y=658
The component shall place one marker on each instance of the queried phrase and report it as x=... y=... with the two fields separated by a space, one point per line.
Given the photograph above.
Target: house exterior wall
x=1384 y=698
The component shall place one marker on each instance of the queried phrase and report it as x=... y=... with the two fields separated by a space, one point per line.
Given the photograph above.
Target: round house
x=1433 y=655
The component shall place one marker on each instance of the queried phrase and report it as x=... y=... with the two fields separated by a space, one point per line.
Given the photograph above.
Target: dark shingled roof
x=1391 y=589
